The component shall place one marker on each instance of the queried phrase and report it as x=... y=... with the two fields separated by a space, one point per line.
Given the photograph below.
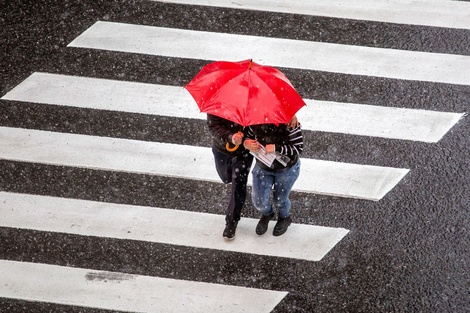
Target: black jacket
x=222 y=131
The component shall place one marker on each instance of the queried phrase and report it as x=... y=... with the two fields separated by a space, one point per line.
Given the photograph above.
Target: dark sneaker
x=229 y=231
x=281 y=226
x=262 y=226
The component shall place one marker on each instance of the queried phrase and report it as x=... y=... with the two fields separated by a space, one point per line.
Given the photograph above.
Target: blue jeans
x=281 y=182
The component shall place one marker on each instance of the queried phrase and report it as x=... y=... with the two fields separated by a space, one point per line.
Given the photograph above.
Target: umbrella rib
x=267 y=87
x=249 y=85
x=239 y=107
x=283 y=81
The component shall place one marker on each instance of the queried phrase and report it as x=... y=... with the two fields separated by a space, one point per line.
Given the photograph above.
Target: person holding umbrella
x=277 y=149
x=236 y=95
x=233 y=165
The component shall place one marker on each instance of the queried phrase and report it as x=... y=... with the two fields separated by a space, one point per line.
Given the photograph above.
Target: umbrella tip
x=251 y=62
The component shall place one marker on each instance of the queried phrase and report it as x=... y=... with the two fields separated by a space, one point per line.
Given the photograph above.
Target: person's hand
x=237 y=138
x=252 y=145
x=293 y=123
x=271 y=148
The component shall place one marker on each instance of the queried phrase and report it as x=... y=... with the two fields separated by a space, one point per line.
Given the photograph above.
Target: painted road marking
x=175 y=227
x=127 y=292
x=308 y=55
x=438 y=13
x=326 y=116
x=317 y=176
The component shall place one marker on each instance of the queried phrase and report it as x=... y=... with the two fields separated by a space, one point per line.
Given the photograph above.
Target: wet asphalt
x=408 y=252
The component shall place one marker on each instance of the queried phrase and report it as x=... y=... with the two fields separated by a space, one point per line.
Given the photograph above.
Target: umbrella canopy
x=245 y=93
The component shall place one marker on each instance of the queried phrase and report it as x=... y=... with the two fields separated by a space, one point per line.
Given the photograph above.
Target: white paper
x=266 y=158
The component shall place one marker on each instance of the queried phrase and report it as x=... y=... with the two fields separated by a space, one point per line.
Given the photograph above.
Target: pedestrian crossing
x=164 y=100
x=284 y=53
x=117 y=290
x=169 y=226
x=451 y=14
x=126 y=292
x=318 y=176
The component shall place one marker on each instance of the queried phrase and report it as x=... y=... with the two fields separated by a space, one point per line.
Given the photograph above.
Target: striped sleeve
x=249 y=133
x=296 y=143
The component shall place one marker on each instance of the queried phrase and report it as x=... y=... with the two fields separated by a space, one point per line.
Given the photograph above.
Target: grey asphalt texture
x=408 y=252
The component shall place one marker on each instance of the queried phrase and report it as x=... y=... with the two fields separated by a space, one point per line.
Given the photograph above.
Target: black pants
x=235 y=170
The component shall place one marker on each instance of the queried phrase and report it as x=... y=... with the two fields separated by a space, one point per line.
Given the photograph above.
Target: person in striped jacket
x=283 y=145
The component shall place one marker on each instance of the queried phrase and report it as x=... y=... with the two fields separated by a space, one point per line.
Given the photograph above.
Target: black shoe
x=262 y=226
x=229 y=231
x=281 y=226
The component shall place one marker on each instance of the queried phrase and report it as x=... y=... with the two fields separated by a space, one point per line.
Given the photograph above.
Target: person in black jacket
x=232 y=166
x=277 y=149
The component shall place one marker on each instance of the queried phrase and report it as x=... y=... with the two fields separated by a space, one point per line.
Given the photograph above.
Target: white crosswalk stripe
x=318 y=176
x=200 y=230
x=126 y=292
x=168 y=226
x=300 y=54
x=450 y=14
x=327 y=116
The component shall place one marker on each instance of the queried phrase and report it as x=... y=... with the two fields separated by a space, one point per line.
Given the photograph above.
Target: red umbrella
x=245 y=93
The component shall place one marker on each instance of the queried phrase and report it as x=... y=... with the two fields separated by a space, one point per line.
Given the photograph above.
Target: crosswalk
x=164 y=100
x=91 y=218
x=123 y=291
x=285 y=53
x=318 y=176
x=451 y=14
